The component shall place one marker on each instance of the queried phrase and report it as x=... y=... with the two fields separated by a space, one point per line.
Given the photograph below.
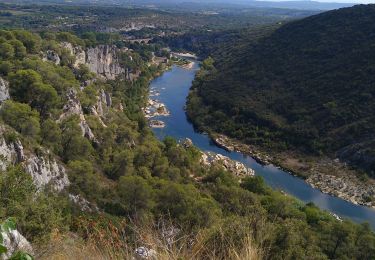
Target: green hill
x=309 y=86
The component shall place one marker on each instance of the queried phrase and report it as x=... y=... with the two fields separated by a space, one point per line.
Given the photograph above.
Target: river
x=174 y=86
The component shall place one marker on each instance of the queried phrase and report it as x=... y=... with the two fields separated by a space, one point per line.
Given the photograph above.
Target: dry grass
x=109 y=242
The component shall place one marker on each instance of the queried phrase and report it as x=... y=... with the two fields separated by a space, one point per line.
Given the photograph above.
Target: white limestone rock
x=44 y=169
x=84 y=204
x=4 y=90
x=52 y=56
x=14 y=242
x=77 y=52
x=236 y=168
x=145 y=253
x=45 y=172
x=103 y=60
x=73 y=107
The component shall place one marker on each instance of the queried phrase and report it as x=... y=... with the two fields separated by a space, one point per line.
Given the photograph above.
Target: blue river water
x=174 y=86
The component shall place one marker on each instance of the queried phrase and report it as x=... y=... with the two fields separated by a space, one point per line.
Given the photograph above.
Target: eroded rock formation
x=4 y=90
x=209 y=159
x=44 y=169
x=73 y=107
x=102 y=60
x=14 y=241
x=51 y=55
x=236 y=168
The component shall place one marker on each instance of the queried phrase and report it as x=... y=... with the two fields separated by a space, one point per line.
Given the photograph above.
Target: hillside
x=309 y=87
x=83 y=176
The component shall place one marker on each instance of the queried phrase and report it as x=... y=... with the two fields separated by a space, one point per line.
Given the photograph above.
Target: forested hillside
x=309 y=86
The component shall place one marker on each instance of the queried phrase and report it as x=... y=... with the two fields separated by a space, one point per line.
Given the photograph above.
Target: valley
x=169 y=131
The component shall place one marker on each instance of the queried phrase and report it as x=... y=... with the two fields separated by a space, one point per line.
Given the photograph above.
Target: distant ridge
x=304 y=4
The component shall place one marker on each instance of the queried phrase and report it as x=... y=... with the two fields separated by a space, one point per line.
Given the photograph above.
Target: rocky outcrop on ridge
x=102 y=60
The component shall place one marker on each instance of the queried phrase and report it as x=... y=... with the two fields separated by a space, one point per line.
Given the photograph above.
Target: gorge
x=174 y=86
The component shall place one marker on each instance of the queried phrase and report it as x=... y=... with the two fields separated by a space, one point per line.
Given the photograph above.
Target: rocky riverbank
x=234 y=146
x=329 y=176
x=210 y=159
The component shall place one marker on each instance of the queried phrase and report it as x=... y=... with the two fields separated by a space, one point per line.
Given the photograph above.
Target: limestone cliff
x=44 y=169
x=103 y=104
x=73 y=107
x=102 y=60
x=4 y=90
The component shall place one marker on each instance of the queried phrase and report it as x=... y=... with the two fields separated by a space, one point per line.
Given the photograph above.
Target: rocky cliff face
x=102 y=60
x=103 y=104
x=4 y=90
x=77 y=52
x=73 y=107
x=44 y=169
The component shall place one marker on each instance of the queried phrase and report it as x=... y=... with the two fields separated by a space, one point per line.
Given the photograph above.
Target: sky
x=349 y=1
x=336 y=1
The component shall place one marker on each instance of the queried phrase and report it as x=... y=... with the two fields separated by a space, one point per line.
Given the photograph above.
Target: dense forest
x=127 y=190
x=308 y=86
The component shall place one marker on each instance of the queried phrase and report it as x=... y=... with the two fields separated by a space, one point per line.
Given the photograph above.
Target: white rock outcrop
x=52 y=56
x=73 y=107
x=77 y=52
x=102 y=60
x=145 y=253
x=14 y=241
x=44 y=169
x=83 y=203
x=104 y=102
x=209 y=159
x=236 y=168
x=45 y=172
x=4 y=90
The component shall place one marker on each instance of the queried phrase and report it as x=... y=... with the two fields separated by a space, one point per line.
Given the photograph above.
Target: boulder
x=52 y=56
x=145 y=253
x=14 y=241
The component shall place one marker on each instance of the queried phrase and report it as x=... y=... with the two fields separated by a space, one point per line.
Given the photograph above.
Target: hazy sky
x=350 y=1
x=337 y=1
